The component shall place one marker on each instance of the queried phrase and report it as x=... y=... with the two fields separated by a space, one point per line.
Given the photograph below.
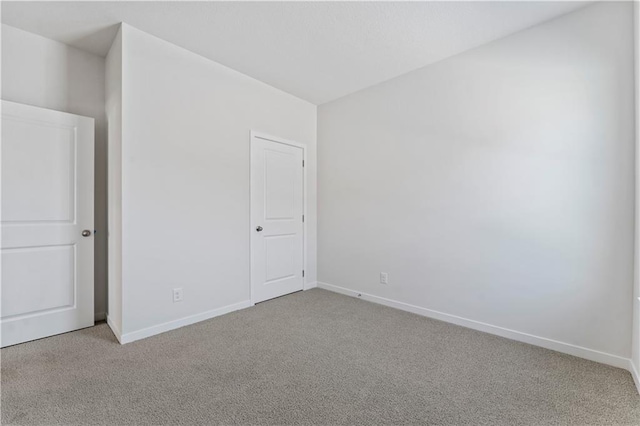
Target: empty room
x=320 y=213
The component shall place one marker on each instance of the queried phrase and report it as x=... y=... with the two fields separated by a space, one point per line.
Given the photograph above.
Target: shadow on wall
x=77 y=80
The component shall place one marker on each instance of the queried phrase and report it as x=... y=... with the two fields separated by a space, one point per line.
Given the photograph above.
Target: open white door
x=277 y=208
x=47 y=223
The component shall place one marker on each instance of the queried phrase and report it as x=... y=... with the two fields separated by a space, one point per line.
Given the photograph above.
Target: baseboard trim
x=99 y=316
x=114 y=329
x=635 y=375
x=309 y=286
x=567 y=348
x=172 y=325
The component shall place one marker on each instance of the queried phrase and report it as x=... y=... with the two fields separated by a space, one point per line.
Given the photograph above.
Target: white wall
x=45 y=73
x=497 y=185
x=185 y=180
x=113 y=106
x=636 y=291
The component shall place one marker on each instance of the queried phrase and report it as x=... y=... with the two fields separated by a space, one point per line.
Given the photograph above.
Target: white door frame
x=259 y=135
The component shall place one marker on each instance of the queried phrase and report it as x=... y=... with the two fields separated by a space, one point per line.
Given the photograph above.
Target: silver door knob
x=259 y=228
x=86 y=233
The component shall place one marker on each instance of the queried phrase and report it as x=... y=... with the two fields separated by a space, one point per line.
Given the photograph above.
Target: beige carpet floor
x=312 y=357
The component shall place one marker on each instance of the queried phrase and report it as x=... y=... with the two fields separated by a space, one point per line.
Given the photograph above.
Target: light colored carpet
x=309 y=358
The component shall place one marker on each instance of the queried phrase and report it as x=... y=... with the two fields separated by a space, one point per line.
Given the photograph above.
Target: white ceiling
x=317 y=51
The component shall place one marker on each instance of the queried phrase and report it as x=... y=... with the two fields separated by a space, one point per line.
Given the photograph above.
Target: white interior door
x=47 y=223
x=277 y=208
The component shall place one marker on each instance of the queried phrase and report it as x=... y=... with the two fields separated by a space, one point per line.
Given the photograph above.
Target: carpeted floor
x=309 y=358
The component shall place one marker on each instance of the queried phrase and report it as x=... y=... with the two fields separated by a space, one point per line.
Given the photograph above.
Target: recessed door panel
x=280 y=252
x=280 y=184
x=37 y=279
x=38 y=159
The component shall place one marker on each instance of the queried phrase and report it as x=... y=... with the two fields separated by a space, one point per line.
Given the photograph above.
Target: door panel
x=277 y=206
x=32 y=266
x=280 y=252
x=47 y=201
x=280 y=184
x=39 y=163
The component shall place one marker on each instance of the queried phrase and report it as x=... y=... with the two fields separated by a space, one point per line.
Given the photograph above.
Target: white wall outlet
x=384 y=278
x=177 y=295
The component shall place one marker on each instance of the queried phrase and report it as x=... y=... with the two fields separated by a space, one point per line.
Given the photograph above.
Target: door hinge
x=303 y=273
x=302 y=163
x=303 y=218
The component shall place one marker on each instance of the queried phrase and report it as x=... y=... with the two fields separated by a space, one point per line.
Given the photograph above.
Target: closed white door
x=47 y=223
x=277 y=227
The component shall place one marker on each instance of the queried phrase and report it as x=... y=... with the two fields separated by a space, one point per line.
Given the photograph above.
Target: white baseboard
x=567 y=348
x=99 y=316
x=634 y=373
x=309 y=286
x=114 y=329
x=172 y=325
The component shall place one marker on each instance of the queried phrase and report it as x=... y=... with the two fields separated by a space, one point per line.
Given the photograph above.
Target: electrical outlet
x=177 y=295
x=384 y=278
